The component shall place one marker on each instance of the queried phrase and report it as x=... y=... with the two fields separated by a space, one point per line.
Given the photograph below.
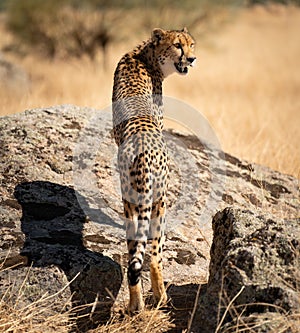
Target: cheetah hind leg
x=157 y=282
x=136 y=244
x=136 y=250
x=136 y=302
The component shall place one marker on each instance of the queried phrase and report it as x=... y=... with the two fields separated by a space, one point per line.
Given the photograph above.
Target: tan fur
x=142 y=155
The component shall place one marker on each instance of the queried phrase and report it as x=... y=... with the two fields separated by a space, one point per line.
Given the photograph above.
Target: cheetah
x=142 y=153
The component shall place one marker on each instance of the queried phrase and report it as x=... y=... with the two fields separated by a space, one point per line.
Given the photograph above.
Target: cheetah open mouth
x=181 y=68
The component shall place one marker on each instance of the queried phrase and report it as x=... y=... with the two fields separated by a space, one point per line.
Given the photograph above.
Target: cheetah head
x=174 y=50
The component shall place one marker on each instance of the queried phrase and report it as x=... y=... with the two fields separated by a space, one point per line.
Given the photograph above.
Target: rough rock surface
x=255 y=262
x=61 y=211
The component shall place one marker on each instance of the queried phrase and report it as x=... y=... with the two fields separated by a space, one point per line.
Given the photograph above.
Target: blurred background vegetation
x=74 y=28
x=246 y=82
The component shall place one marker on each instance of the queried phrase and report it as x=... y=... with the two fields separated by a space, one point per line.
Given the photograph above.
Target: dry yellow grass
x=246 y=83
x=248 y=87
x=15 y=317
x=149 y=320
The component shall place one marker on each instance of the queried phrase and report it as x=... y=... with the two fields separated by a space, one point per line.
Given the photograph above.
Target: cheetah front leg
x=157 y=235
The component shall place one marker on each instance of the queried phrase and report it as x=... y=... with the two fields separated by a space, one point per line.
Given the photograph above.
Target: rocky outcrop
x=61 y=224
x=254 y=274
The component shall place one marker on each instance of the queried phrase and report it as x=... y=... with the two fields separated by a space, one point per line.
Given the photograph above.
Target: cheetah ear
x=157 y=35
x=185 y=30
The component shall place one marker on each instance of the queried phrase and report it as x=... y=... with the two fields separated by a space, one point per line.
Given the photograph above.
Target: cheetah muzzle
x=183 y=68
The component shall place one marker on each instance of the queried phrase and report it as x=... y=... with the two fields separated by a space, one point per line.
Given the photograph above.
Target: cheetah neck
x=142 y=98
x=146 y=53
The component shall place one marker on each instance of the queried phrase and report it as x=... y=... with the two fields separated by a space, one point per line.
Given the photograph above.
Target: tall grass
x=247 y=85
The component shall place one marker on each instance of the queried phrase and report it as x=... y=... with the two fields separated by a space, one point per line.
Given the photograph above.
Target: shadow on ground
x=53 y=222
x=182 y=303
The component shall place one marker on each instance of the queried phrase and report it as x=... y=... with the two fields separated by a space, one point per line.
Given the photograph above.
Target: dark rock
x=52 y=222
x=255 y=262
x=35 y=283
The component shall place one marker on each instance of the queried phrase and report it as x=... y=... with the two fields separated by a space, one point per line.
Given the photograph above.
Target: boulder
x=61 y=214
x=253 y=275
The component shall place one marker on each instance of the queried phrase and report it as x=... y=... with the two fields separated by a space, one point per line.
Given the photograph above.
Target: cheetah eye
x=177 y=45
x=192 y=45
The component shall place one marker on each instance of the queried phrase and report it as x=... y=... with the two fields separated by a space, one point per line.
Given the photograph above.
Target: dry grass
x=154 y=321
x=31 y=319
x=275 y=320
x=18 y=315
x=247 y=84
x=37 y=316
x=278 y=321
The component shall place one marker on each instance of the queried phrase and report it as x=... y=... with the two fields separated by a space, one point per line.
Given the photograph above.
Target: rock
x=254 y=262
x=61 y=210
x=52 y=224
x=31 y=281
